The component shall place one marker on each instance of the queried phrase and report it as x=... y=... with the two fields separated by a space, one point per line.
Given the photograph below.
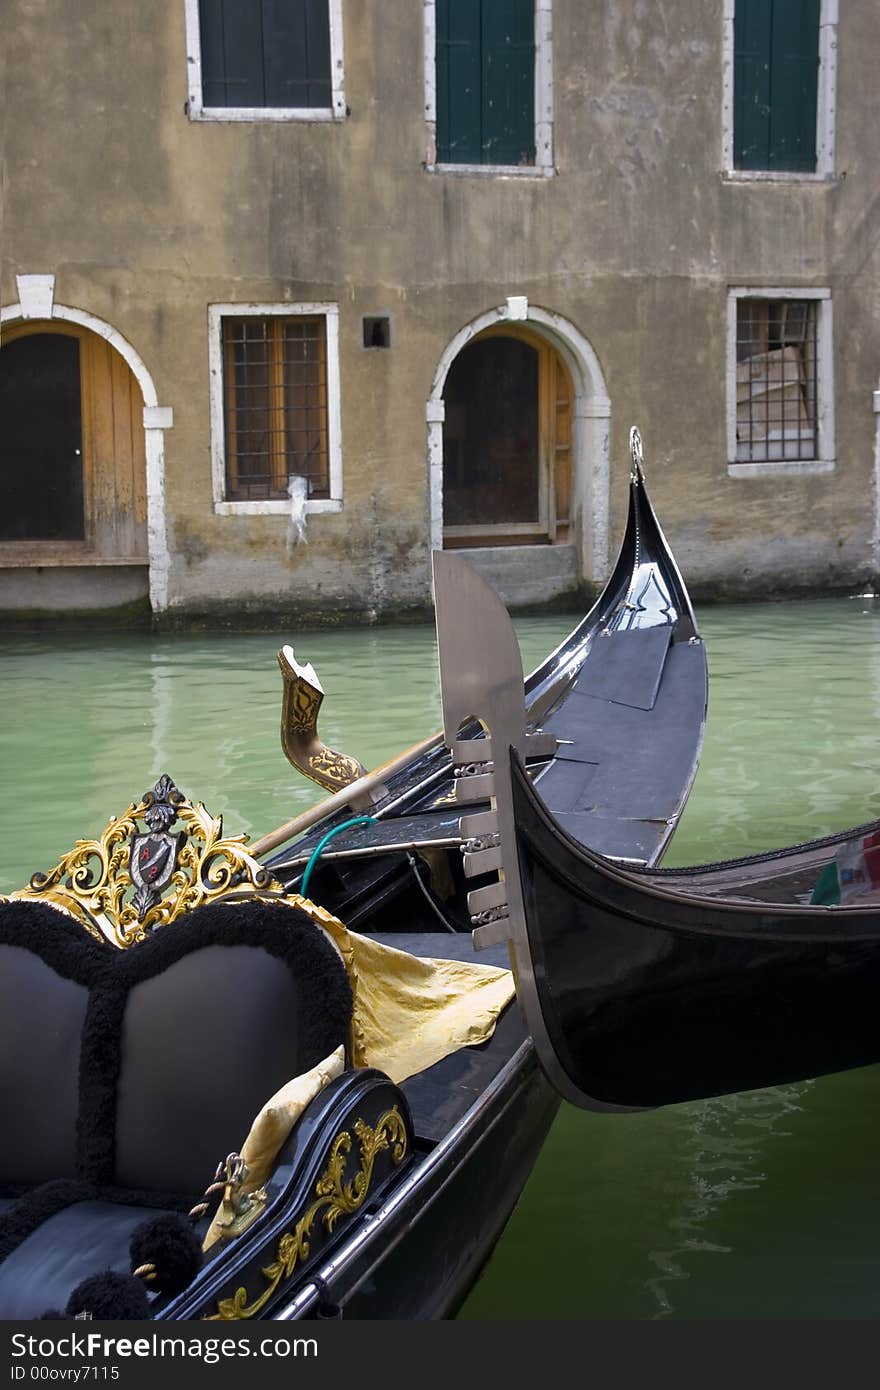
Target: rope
x=325 y=839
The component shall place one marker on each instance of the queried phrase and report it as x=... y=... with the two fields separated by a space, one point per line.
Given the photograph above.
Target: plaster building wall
x=623 y=255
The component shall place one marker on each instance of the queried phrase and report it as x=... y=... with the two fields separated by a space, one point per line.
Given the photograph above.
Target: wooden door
x=507 y=441
x=77 y=439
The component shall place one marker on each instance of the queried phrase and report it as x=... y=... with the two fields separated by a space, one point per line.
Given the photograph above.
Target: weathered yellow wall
x=146 y=218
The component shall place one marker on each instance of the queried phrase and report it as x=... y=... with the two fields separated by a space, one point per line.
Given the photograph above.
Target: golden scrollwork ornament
x=334 y=1197
x=142 y=873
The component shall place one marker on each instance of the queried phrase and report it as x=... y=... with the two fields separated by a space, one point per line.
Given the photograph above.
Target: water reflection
x=91 y=722
x=727 y=1138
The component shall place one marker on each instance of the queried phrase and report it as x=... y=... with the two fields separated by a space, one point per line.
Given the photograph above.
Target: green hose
x=317 y=851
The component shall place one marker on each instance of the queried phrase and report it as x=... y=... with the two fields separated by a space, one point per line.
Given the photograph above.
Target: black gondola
x=645 y=986
x=385 y=1196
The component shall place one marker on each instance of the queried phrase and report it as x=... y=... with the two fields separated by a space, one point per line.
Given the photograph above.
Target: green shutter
x=508 y=70
x=776 y=72
x=458 y=81
x=795 y=67
x=485 y=81
x=751 y=84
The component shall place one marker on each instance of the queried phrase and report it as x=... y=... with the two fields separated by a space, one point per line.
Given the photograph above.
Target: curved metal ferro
x=481 y=683
x=303 y=747
x=636 y=454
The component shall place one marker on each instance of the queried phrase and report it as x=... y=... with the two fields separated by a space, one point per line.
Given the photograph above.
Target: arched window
x=507 y=441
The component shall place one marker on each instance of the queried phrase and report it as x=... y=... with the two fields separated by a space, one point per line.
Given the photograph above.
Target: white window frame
x=825 y=460
x=197 y=111
x=273 y=506
x=826 y=104
x=543 y=166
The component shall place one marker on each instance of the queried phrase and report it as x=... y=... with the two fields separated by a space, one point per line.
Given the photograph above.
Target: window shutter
x=508 y=69
x=232 y=53
x=485 y=81
x=751 y=84
x=273 y=53
x=458 y=82
x=794 y=63
x=776 y=68
x=296 y=47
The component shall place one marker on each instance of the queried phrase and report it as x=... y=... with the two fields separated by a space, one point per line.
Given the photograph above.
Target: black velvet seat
x=126 y=1076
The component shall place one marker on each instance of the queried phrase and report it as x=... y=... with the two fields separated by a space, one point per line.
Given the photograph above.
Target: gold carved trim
x=334 y=1197
x=300 y=706
x=133 y=879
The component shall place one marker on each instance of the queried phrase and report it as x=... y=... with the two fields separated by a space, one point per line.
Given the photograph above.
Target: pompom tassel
x=109 y=1296
x=166 y=1253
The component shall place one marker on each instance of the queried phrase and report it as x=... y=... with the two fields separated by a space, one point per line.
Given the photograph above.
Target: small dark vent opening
x=377 y=332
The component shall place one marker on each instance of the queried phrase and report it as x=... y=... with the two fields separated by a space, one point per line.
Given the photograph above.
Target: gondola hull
x=641 y=986
x=427 y=1243
x=652 y=995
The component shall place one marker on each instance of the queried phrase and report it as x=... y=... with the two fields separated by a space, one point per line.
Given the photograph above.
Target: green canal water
x=764 y=1205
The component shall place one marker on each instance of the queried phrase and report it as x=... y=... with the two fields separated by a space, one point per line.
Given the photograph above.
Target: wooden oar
x=343 y=797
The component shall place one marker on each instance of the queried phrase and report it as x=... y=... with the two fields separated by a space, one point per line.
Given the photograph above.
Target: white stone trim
x=12 y=313
x=591 y=428
x=330 y=314
x=158 y=417
x=825 y=461
x=196 y=111
x=35 y=295
x=826 y=103
x=826 y=96
x=543 y=166
x=779 y=468
x=156 y=420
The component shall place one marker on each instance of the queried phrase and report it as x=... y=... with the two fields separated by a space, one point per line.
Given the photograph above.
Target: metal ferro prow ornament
x=481 y=679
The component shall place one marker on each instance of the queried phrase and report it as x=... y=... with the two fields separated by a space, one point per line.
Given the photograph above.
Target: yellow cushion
x=271 y=1128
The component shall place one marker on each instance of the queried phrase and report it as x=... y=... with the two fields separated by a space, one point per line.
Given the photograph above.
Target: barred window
x=275 y=406
x=776 y=380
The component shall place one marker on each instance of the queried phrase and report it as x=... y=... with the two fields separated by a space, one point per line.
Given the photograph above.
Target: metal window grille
x=275 y=396
x=776 y=380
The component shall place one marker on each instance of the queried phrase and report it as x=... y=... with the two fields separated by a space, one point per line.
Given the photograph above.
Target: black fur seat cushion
x=47 y=965
x=142 y=1069
x=69 y=1245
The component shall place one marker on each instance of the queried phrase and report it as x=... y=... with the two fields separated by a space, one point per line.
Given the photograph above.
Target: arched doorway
x=575 y=436
x=507 y=437
x=74 y=471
